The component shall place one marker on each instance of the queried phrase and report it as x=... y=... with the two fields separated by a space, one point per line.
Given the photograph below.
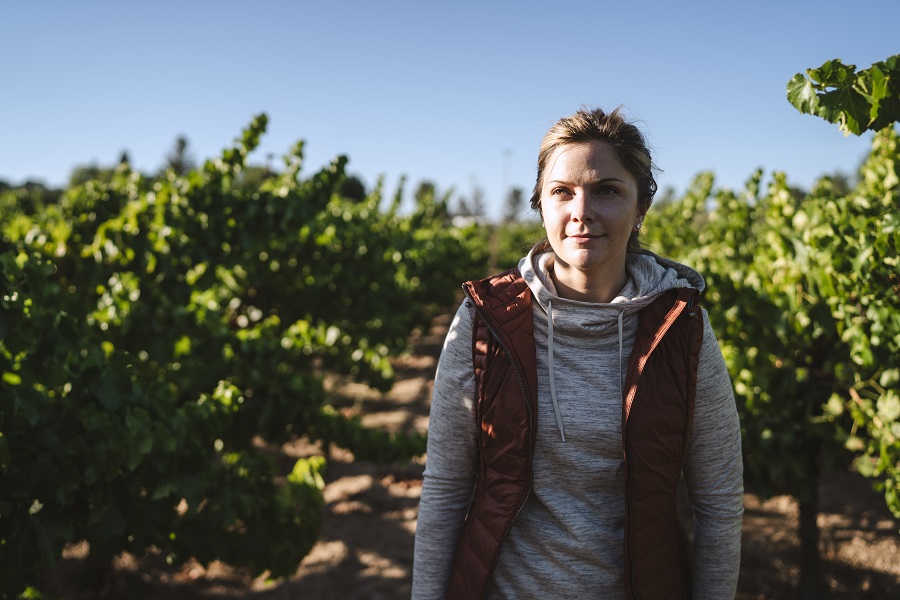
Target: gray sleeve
x=714 y=474
x=451 y=463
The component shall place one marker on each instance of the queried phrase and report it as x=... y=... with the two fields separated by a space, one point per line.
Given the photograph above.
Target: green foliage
x=857 y=239
x=29 y=198
x=158 y=336
x=513 y=241
x=856 y=101
x=742 y=243
x=803 y=293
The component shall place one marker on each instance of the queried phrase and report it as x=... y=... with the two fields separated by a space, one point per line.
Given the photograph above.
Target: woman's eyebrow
x=592 y=182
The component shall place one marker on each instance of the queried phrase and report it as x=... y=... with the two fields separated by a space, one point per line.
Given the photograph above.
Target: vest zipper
x=530 y=433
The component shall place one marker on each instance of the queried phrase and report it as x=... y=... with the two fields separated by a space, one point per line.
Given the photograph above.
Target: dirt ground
x=366 y=544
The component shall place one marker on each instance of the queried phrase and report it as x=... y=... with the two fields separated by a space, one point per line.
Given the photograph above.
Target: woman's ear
x=640 y=220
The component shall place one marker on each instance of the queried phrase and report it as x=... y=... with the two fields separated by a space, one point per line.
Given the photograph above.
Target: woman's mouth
x=582 y=238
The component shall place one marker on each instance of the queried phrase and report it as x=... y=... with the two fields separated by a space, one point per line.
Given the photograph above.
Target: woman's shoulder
x=462 y=318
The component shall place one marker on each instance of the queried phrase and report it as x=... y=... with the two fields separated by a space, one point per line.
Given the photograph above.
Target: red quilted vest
x=657 y=408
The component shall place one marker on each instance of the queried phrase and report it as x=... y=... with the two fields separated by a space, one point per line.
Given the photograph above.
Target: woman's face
x=589 y=205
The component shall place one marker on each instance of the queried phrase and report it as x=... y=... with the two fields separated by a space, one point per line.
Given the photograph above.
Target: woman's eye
x=558 y=191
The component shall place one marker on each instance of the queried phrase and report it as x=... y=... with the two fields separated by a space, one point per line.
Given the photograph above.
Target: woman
x=571 y=396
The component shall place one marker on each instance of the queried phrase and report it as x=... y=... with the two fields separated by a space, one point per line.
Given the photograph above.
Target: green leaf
x=5 y=456
x=166 y=488
x=802 y=94
x=307 y=471
x=833 y=73
x=140 y=437
x=874 y=83
x=889 y=406
x=48 y=547
x=110 y=397
x=861 y=261
x=889 y=377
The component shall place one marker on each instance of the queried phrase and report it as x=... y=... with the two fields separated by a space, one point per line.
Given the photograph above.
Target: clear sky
x=459 y=93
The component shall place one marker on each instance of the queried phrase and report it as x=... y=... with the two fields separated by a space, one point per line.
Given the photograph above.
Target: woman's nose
x=581 y=209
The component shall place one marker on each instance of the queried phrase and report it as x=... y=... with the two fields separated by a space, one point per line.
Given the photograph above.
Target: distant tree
x=472 y=205
x=515 y=204
x=841 y=183
x=43 y=195
x=124 y=158
x=353 y=188
x=82 y=174
x=427 y=202
x=30 y=197
x=251 y=177
x=178 y=159
x=91 y=172
x=462 y=207
x=477 y=201
x=424 y=191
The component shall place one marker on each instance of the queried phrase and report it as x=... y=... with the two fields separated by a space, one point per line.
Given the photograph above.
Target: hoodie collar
x=648 y=275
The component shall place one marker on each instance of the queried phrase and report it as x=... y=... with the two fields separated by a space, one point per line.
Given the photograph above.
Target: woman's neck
x=574 y=284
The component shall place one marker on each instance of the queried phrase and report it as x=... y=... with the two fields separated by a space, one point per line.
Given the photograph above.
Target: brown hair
x=623 y=137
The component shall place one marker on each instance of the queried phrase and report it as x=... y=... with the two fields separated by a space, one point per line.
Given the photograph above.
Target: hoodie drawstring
x=621 y=383
x=559 y=423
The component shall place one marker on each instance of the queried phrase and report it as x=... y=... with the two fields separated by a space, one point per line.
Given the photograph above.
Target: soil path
x=366 y=544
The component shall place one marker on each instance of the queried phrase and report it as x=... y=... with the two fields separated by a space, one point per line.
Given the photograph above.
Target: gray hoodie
x=567 y=542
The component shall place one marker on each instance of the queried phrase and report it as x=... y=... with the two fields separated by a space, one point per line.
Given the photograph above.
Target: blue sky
x=459 y=93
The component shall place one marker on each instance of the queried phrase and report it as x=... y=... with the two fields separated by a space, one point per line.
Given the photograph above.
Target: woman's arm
x=451 y=464
x=715 y=476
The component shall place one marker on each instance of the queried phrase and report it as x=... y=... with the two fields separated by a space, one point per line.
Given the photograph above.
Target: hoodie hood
x=648 y=275
x=590 y=325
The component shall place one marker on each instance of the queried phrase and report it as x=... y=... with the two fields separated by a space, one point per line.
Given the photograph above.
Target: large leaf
x=802 y=94
x=846 y=107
